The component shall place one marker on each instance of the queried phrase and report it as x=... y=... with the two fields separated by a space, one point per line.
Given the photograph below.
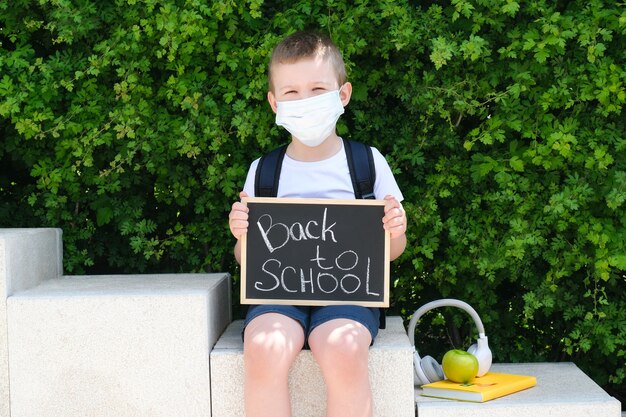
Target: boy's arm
x=395 y=222
x=237 y=251
x=398 y=244
x=238 y=223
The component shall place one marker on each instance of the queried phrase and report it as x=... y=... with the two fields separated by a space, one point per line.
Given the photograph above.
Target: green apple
x=459 y=366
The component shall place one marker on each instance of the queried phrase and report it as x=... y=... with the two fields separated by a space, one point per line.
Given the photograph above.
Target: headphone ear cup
x=431 y=368
x=420 y=378
x=482 y=352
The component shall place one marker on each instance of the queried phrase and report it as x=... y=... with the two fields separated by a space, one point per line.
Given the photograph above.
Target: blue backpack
x=360 y=162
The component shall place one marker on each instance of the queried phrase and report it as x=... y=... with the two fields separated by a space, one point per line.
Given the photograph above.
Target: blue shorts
x=311 y=317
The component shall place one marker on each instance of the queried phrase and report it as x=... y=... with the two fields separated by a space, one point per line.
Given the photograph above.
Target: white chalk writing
x=281 y=233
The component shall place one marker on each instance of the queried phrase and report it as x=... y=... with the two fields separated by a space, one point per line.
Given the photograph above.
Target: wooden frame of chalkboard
x=305 y=251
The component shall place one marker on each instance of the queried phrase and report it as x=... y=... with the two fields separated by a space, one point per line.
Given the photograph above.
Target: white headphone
x=427 y=369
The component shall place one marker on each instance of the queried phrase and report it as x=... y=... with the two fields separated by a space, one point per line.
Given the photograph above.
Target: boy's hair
x=307 y=44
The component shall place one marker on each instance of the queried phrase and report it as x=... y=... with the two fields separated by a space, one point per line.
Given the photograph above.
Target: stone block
x=562 y=390
x=127 y=345
x=27 y=258
x=390 y=367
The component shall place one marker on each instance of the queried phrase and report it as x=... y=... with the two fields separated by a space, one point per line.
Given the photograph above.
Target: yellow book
x=489 y=386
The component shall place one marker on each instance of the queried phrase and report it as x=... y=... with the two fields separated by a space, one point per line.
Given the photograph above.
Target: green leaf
x=104 y=215
x=618 y=261
x=510 y=8
x=517 y=164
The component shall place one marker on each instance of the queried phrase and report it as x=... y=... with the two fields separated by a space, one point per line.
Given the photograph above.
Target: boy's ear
x=345 y=93
x=272 y=100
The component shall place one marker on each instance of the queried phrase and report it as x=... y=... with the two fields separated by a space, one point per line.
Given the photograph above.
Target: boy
x=308 y=91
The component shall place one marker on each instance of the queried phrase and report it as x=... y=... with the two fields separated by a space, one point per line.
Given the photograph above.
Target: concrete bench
x=27 y=258
x=562 y=390
x=100 y=346
x=140 y=345
x=128 y=345
x=390 y=366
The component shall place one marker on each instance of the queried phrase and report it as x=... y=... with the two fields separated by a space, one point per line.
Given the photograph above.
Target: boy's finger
x=237 y=206
x=393 y=213
x=391 y=202
x=238 y=214
x=239 y=228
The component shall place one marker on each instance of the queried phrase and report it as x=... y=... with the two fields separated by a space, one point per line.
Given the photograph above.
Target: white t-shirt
x=329 y=178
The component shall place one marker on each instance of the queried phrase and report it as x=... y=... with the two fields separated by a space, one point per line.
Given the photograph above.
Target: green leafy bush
x=131 y=124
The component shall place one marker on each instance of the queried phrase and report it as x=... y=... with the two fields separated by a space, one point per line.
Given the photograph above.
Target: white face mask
x=310 y=120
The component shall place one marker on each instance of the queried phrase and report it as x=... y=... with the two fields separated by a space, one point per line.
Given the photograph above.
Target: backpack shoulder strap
x=360 y=164
x=268 y=173
x=362 y=170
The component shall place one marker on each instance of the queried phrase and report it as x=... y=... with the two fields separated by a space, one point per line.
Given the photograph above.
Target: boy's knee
x=268 y=358
x=272 y=344
x=348 y=347
x=345 y=346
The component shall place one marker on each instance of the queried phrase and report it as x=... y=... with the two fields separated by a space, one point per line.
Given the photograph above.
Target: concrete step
x=562 y=390
x=390 y=366
x=27 y=258
x=127 y=345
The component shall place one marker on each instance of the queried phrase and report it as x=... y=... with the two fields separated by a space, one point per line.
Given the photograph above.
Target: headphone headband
x=446 y=302
x=427 y=369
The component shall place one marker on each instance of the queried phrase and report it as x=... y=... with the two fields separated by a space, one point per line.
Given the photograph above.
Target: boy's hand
x=395 y=217
x=238 y=218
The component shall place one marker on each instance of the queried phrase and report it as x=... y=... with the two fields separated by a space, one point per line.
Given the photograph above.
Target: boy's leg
x=271 y=343
x=341 y=348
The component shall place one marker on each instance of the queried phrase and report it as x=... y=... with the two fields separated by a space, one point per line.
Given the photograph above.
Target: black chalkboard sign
x=302 y=251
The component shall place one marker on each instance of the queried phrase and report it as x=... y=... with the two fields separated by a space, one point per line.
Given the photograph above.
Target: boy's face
x=305 y=78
